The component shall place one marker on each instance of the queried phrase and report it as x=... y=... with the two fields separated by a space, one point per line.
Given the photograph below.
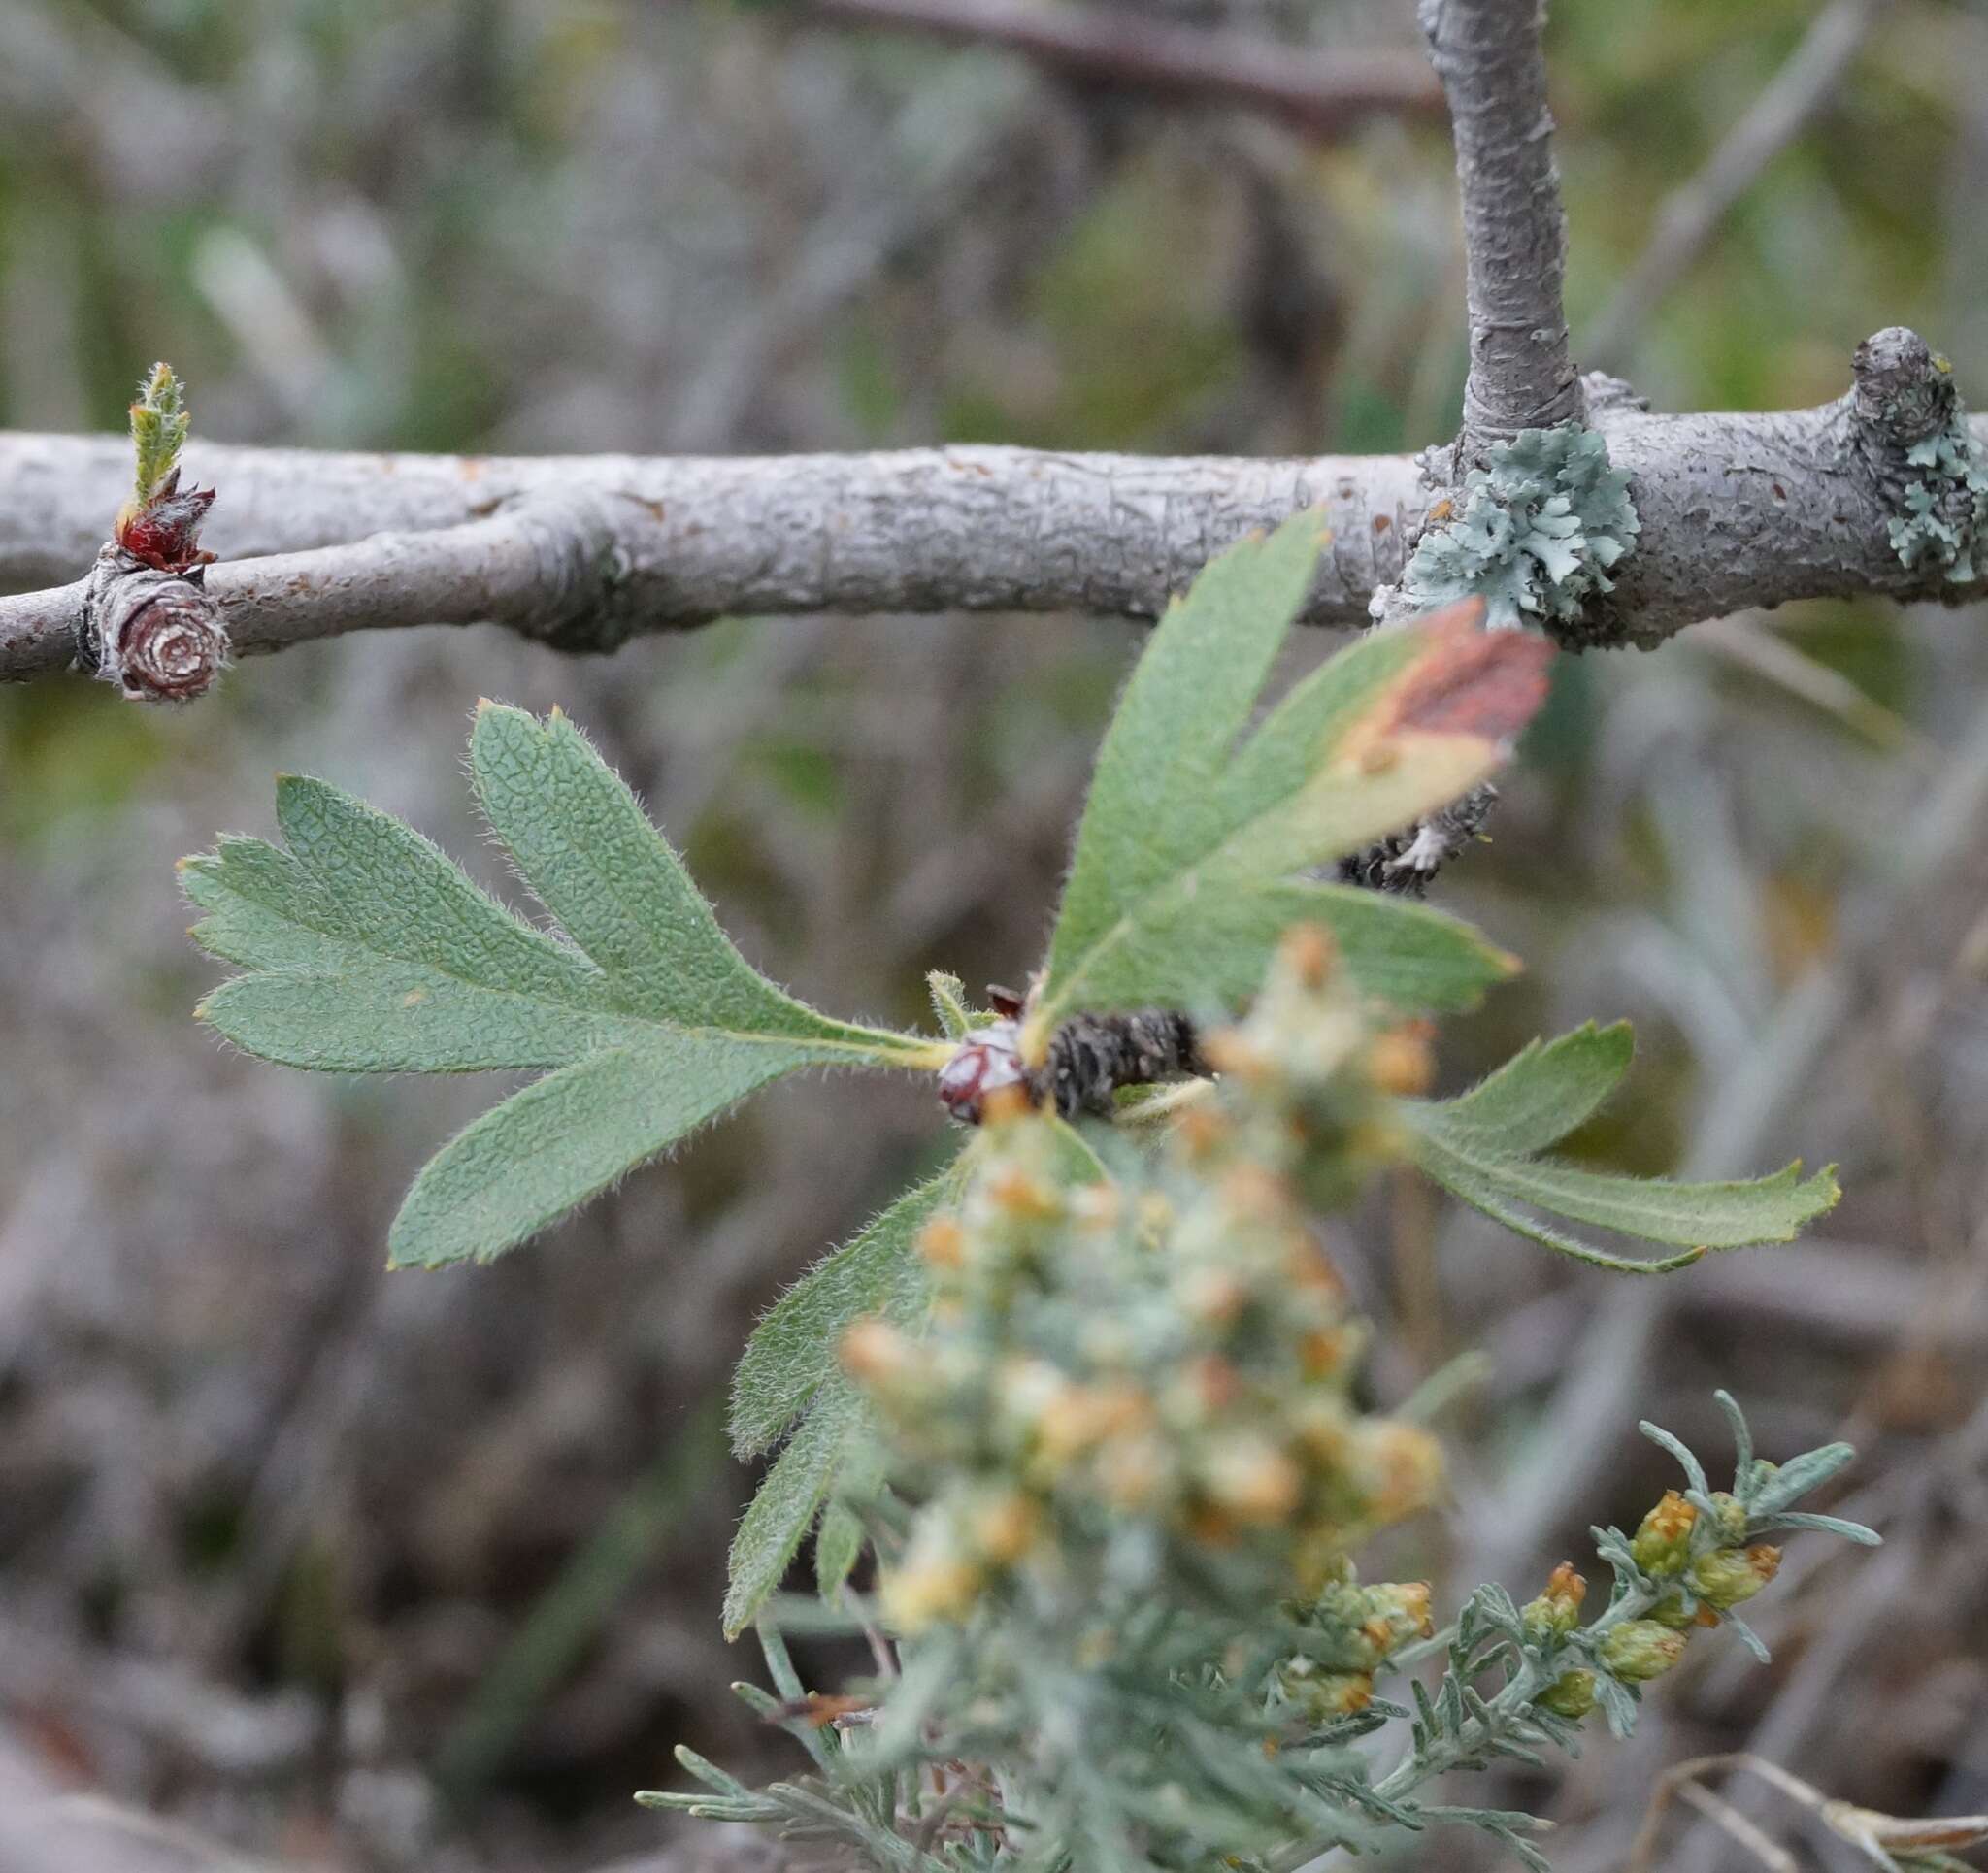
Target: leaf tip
x=1472 y=681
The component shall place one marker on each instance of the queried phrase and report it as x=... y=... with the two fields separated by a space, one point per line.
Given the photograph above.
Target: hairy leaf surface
x=1482 y=1147
x=792 y=1352
x=789 y=1500
x=368 y=951
x=1191 y=857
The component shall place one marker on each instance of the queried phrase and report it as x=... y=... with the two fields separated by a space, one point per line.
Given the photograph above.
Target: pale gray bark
x=1738 y=511
x=586 y=552
x=1493 y=67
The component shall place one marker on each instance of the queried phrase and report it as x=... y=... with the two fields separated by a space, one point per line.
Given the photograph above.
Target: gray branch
x=1738 y=511
x=1493 y=67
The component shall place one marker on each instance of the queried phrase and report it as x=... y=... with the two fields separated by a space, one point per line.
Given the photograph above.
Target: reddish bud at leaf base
x=1641 y=1650
x=982 y=1065
x=1728 y=1575
x=1663 y=1542
x=164 y=532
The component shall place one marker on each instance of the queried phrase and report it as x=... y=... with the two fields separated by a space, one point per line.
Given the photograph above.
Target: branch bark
x=1323 y=95
x=1736 y=510
x=1492 y=62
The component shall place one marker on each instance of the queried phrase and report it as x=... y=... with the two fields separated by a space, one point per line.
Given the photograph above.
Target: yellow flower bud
x=1340 y=1693
x=1405 y=1466
x=1307 y=952
x=935 y=1582
x=1399 y=1061
x=1572 y=1695
x=1663 y=1542
x=1023 y=1196
x=1254 y=1480
x=1727 y=1576
x=874 y=1353
x=1004 y=1527
x=942 y=1242
x=1641 y=1650
x=1728 y=1519
x=1557 y=1610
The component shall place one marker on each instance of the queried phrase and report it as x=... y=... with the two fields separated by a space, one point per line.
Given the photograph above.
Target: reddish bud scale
x=983 y=1064
x=164 y=533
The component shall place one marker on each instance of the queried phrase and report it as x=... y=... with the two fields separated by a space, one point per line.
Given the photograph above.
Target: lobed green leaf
x=1546 y=1090
x=369 y=951
x=1193 y=851
x=1479 y=1148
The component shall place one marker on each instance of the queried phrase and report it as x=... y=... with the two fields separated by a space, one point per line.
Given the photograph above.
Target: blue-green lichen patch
x=1541 y=528
x=1945 y=520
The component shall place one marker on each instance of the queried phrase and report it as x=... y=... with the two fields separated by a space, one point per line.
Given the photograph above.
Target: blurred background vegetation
x=303 y=1566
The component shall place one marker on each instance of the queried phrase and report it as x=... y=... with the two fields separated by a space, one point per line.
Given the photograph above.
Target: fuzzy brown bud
x=156 y=635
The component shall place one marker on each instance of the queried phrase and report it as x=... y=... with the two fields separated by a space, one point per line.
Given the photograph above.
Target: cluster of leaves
x=1121 y=1474
x=1946 y=509
x=1541 y=525
x=366 y=950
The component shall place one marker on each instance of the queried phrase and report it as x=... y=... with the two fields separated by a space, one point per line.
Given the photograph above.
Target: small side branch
x=1489 y=56
x=1690 y=217
x=545 y=568
x=1322 y=95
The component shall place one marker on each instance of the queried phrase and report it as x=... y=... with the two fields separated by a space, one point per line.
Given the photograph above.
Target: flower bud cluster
x=1693 y=1566
x=1368 y=1625
x=1141 y=1386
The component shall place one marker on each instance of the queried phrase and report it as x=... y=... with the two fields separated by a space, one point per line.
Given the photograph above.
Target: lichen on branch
x=1945 y=518
x=1540 y=527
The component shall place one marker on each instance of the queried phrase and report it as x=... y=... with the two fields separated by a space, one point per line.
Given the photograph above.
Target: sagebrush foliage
x=1123 y=1477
